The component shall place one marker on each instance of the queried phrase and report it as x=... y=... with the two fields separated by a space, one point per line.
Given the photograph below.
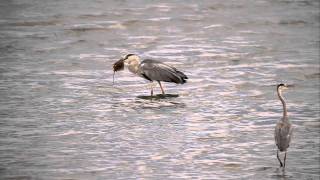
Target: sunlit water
x=61 y=118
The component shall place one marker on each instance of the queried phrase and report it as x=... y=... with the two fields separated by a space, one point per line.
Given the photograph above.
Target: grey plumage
x=151 y=70
x=283 y=130
x=283 y=134
x=156 y=71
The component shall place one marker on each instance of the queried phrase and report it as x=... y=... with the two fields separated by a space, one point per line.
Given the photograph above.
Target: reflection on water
x=159 y=96
x=61 y=116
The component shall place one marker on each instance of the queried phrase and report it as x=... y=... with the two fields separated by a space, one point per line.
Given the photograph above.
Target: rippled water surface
x=61 y=117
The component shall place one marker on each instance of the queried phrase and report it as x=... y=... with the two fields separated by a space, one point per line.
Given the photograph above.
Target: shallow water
x=61 y=117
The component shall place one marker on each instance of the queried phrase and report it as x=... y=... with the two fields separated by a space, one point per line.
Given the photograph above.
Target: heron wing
x=283 y=134
x=290 y=134
x=157 y=71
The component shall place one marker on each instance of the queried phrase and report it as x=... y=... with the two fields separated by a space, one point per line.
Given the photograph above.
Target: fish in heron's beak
x=118 y=66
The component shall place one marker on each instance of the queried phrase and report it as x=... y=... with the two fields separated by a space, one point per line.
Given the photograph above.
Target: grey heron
x=283 y=129
x=151 y=70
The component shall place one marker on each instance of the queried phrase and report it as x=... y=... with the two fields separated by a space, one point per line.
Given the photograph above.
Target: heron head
x=282 y=86
x=130 y=59
x=126 y=60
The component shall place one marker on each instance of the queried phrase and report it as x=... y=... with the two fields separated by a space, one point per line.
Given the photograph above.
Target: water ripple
x=61 y=116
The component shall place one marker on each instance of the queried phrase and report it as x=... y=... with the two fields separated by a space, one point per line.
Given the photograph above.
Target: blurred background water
x=61 y=118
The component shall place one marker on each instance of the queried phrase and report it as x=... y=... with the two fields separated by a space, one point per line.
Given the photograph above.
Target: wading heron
x=151 y=70
x=283 y=129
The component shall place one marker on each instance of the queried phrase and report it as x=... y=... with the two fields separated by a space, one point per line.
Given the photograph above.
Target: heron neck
x=283 y=104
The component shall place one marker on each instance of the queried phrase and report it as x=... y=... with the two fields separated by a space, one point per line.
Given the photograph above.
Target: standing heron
x=151 y=70
x=283 y=129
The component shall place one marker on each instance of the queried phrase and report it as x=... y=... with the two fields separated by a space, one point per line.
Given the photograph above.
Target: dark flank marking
x=145 y=76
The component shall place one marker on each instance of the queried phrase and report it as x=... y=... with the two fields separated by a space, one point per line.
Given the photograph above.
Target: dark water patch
x=85 y=28
x=131 y=22
x=92 y=16
x=265 y=168
x=293 y=22
x=159 y=96
x=17 y=177
x=232 y=165
x=312 y=76
x=35 y=23
x=8 y=48
x=300 y=2
x=223 y=6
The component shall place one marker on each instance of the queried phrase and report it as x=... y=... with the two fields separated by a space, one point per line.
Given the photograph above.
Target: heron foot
x=281 y=165
x=279 y=158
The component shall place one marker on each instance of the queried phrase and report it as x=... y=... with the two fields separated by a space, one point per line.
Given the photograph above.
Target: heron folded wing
x=290 y=134
x=283 y=134
x=157 y=71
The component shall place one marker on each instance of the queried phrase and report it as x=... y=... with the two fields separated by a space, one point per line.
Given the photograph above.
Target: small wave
x=213 y=26
x=312 y=76
x=160 y=7
x=143 y=37
x=69 y=133
x=95 y=56
x=130 y=22
x=293 y=22
x=117 y=26
x=35 y=23
x=86 y=27
x=94 y=15
x=160 y=19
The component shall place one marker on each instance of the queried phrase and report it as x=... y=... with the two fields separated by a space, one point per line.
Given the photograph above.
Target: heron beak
x=288 y=85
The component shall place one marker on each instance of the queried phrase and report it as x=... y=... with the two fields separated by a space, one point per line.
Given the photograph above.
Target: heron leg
x=285 y=157
x=151 y=90
x=279 y=158
x=161 y=87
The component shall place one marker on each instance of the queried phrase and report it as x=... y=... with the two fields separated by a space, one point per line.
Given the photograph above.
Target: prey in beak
x=118 y=66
